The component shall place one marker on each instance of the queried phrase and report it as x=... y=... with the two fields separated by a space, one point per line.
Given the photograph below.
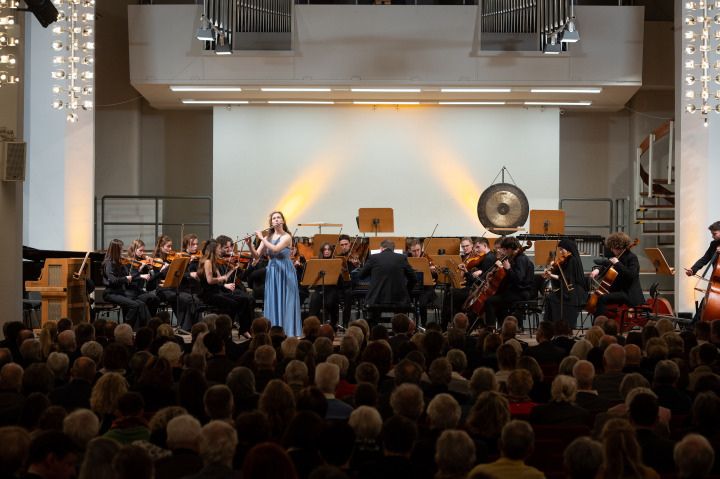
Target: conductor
x=387 y=271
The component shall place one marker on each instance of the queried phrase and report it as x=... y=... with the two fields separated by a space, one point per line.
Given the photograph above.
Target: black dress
x=565 y=303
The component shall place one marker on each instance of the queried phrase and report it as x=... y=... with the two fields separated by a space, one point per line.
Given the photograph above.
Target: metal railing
x=157 y=222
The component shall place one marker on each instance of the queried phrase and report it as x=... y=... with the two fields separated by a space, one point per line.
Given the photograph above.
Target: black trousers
x=135 y=311
x=185 y=306
x=239 y=305
x=496 y=307
x=332 y=303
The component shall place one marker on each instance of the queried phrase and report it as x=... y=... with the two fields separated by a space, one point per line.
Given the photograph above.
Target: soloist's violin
x=555 y=267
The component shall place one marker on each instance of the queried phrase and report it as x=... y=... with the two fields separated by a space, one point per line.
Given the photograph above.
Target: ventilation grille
x=13 y=161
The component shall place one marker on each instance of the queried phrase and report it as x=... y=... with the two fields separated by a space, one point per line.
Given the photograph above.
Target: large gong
x=503 y=205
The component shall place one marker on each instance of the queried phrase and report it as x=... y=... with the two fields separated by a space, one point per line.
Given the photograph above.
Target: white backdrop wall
x=430 y=164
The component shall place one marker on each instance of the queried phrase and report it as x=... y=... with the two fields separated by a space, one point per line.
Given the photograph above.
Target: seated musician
x=331 y=288
x=254 y=274
x=626 y=288
x=115 y=278
x=226 y=245
x=455 y=297
x=353 y=262
x=184 y=304
x=520 y=274
x=428 y=292
x=136 y=289
x=190 y=246
x=569 y=293
x=387 y=271
x=219 y=292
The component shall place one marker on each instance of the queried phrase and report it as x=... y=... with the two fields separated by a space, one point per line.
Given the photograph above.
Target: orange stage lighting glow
x=460 y=183
x=307 y=186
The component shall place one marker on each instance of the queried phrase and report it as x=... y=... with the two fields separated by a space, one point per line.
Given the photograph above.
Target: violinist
x=141 y=273
x=190 y=246
x=226 y=243
x=428 y=294
x=569 y=291
x=626 y=288
x=184 y=305
x=353 y=262
x=115 y=278
x=332 y=285
x=218 y=291
x=457 y=294
x=520 y=274
x=255 y=272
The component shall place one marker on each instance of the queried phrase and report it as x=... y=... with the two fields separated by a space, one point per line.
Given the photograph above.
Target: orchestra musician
x=520 y=274
x=184 y=304
x=226 y=245
x=626 y=288
x=299 y=262
x=352 y=263
x=710 y=256
x=332 y=286
x=218 y=292
x=428 y=294
x=282 y=300
x=115 y=278
x=136 y=289
x=387 y=271
x=190 y=246
x=458 y=295
x=569 y=293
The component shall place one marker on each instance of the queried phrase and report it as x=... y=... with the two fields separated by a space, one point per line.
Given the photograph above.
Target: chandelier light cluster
x=8 y=42
x=74 y=56
x=701 y=26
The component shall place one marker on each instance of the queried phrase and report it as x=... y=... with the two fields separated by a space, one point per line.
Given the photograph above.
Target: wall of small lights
x=9 y=41
x=701 y=26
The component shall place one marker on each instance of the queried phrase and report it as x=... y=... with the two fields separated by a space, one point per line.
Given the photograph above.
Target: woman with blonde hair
x=47 y=338
x=623 y=455
x=104 y=398
x=594 y=335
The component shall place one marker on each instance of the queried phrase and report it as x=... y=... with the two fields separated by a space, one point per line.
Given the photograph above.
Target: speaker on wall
x=12 y=162
x=44 y=11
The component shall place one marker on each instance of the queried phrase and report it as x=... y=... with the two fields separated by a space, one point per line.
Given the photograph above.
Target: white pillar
x=697 y=171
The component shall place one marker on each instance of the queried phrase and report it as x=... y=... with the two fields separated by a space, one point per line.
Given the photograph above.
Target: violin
x=147 y=261
x=430 y=260
x=473 y=261
x=555 y=266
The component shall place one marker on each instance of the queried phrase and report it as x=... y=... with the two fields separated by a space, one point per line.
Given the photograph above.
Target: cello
x=606 y=282
x=493 y=283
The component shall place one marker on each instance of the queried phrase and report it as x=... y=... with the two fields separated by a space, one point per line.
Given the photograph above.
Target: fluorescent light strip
x=215 y=102
x=386 y=102
x=471 y=103
x=205 y=88
x=559 y=103
x=476 y=90
x=301 y=102
x=296 y=89
x=565 y=90
x=386 y=90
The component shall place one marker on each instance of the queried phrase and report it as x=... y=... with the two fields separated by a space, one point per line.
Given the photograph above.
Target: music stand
x=547 y=222
x=543 y=250
x=174 y=277
x=374 y=242
x=319 y=239
x=450 y=245
x=317 y=270
x=658 y=260
x=321 y=225
x=376 y=220
x=423 y=265
x=447 y=273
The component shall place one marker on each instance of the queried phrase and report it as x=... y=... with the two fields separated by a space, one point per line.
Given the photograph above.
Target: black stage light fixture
x=44 y=11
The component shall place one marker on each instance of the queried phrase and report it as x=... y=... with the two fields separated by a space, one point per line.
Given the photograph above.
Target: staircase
x=655 y=187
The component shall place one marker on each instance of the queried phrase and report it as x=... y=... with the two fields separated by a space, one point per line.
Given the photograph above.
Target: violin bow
x=426 y=245
x=336 y=244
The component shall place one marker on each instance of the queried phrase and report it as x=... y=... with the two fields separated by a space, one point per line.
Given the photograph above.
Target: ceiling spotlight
x=204 y=32
x=552 y=47
x=223 y=47
x=570 y=34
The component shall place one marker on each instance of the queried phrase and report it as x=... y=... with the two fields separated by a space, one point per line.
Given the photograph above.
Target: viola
x=473 y=261
x=430 y=260
x=555 y=266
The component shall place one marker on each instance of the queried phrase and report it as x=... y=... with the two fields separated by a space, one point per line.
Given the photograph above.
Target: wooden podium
x=63 y=296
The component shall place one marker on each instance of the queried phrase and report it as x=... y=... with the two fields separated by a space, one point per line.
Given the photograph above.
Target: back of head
x=15 y=449
x=483 y=379
x=218 y=402
x=133 y=462
x=265 y=357
x=440 y=372
x=707 y=353
x=584 y=374
x=327 y=377
x=517 y=440
x=506 y=357
x=241 y=382
x=614 y=357
x=50 y=442
x=400 y=323
x=547 y=329
x=213 y=342
x=443 y=412
x=563 y=388
x=131 y=404
x=455 y=452
x=366 y=422
x=407 y=400
x=183 y=432
x=399 y=434
x=632 y=381
x=583 y=458
x=217 y=443
x=667 y=372
x=81 y=425
x=694 y=456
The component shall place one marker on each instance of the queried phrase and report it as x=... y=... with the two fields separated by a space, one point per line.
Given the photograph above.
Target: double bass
x=711 y=310
x=494 y=282
x=606 y=282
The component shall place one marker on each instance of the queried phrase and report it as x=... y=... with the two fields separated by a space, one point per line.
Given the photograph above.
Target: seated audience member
x=76 y=393
x=278 y=404
x=705 y=357
x=454 y=454
x=665 y=381
x=296 y=376
x=98 y=458
x=219 y=404
x=607 y=384
x=398 y=438
x=407 y=400
x=561 y=410
x=657 y=452
x=183 y=433
x=52 y=455
x=546 y=352
x=220 y=365
x=583 y=458
x=241 y=382
x=519 y=384
x=265 y=460
x=563 y=336
x=622 y=453
x=694 y=457
x=506 y=361
x=516 y=444
x=566 y=365
x=82 y=425
x=487 y=418
x=130 y=425
x=216 y=445
x=265 y=362
x=133 y=462
x=704 y=417
x=344 y=388
x=367 y=424
x=586 y=397
x=540 y=392
x=327 y=377
x=15 y=442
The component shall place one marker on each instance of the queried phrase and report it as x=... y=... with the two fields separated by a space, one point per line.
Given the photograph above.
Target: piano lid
x=34 y=254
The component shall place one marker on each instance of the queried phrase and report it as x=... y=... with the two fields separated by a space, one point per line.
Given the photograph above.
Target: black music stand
x=448 y=275
x=661 y=267
x=316 y=270
x=172 y=280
